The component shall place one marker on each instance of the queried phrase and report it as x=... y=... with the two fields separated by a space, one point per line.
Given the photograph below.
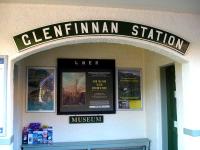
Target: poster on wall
x=129 y=89
x=3 y=69
x=85 y=86
x=40 y=89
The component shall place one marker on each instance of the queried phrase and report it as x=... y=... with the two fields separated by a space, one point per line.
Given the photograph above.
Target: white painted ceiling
x=180 y=6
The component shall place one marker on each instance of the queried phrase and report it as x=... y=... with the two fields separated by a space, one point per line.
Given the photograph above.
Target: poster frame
x=54 y=89
x=61 y=68
x=141 y=87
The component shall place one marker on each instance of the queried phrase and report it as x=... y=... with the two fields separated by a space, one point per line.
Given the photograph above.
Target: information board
x=85 y=86
x=3 y=65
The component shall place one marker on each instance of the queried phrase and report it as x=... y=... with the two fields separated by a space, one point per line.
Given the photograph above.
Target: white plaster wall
x=153 y=62
x=18 y=18
x=179 y=104
x=123 y=124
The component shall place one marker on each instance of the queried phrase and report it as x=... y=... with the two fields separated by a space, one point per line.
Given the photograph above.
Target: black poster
x=86 y=86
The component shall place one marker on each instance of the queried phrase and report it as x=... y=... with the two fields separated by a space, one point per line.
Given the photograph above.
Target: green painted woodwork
x=194 y=133
x=105 y=27
x=171 y=108
x=129 y=144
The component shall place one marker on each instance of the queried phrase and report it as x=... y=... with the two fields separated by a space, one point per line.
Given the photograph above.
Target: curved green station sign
x=100 y=28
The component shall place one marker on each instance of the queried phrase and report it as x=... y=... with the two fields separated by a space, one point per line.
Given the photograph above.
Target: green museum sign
x=85 y=119
x=100 y=28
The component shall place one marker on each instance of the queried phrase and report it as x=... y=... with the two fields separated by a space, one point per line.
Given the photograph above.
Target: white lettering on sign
x=135 y=30
x=58 y=31
x=25 y=39
x=95 y=27
x=46 y=34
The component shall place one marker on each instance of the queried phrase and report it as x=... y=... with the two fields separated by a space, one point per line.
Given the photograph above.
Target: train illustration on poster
x=40 y=89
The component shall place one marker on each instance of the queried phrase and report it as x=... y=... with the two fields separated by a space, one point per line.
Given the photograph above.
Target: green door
x=171 y=107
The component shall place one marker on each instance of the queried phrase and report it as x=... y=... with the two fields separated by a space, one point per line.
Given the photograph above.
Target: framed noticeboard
x=3 y=87
x=85 y=86
x=129 y=88
x=40 y=89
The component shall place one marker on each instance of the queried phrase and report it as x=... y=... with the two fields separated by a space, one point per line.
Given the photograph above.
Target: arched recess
x=91 y=39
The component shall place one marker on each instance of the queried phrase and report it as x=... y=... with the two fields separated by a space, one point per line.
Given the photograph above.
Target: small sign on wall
x=85 y=119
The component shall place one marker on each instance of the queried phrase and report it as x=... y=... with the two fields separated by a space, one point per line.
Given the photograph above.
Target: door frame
x=164 y=109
